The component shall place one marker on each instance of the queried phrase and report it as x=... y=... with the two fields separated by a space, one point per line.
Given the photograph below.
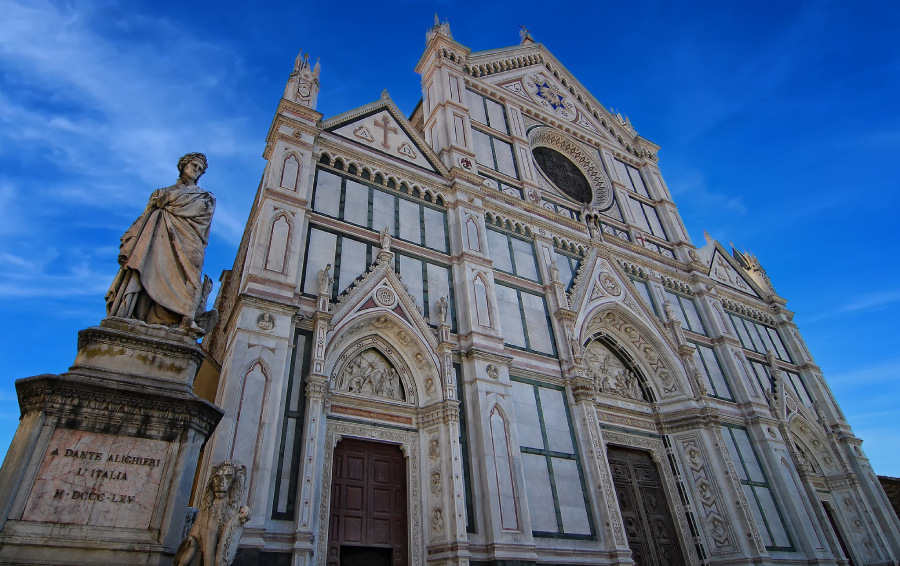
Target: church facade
x=481 y=334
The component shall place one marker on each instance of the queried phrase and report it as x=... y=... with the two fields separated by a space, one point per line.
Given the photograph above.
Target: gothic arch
x=473 y=233
x=279 y=235
x=399 y=343
x=250 y=414
x=288 y=183
x=481 y=288
x=646 y=350
x=503 y=468
x=816 y=447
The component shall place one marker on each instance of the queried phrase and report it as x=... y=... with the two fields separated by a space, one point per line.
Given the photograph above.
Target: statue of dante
x=161 y=255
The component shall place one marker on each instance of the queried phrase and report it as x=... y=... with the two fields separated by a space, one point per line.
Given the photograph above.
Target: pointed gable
x=722 y=270
x=381 y=127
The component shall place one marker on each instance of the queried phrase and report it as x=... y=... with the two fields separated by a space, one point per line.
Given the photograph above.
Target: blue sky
x=778 y=124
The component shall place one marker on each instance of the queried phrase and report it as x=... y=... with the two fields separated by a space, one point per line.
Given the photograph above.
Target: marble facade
x=570 y=326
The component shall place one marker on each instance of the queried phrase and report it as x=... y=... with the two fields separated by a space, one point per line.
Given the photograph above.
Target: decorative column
x=313 y=429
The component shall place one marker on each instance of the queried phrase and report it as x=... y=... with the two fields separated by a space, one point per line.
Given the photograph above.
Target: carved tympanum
x=370 y=373
x=610 y=375
x=214 y=537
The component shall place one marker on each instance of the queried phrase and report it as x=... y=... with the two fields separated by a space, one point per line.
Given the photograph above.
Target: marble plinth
x=101 y=467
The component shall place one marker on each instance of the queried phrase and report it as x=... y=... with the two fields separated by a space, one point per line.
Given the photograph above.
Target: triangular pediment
x=723 y=269
x=381 y=127
x=531 y=73
x=380 y=291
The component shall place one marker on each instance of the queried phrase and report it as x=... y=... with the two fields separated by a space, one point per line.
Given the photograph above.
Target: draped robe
x=161 y=257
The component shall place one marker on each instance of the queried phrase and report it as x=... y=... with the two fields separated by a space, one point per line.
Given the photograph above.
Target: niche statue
x=214 y=537
x=161 y=255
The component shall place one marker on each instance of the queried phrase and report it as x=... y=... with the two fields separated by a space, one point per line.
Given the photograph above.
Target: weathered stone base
x=101 y=467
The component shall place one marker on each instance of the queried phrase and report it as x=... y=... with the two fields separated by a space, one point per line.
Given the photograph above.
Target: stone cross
x=384 y=124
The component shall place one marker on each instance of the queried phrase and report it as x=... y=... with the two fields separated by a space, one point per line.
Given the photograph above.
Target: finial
x=385 y=95
x=437 y=20
x=525 y=34
x=298 y=62
x=709 y=238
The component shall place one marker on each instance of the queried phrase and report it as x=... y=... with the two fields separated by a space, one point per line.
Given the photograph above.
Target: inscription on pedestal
x=97 y=479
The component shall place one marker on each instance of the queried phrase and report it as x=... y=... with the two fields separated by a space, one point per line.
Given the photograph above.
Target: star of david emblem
x=546 y=92
x=550 y=96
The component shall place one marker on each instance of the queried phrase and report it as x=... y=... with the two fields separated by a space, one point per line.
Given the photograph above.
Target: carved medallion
x=385 y=297
x=265 y=321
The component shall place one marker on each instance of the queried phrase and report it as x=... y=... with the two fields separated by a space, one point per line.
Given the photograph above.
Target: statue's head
x=192 y=166
x=226 y=484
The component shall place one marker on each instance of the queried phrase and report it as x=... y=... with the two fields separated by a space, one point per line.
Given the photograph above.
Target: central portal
x=648 y=523
x=368 y=520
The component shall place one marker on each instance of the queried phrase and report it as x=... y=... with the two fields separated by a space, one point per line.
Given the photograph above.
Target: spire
x=525 y=35
x=709 y=238
x=438 y=29
x=303 y=84
x=385 y=95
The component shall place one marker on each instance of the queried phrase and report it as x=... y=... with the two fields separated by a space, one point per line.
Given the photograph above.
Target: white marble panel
x=496 y=117
x=476 y=107
x=503 y=472
x=353 y=262
x=571 y=497
x=510 y=316
x=328 y=194
x=565 y=269
x=483 y=153
x=538 y=327
x=528 y=424
x=505 y=162
x=556 y=422
x=383 y=212
x=757 y=515
x=498 y=250
x=410 y=222
x=435 y=229
x=525 y=262
x=320 y=252
x=356 y=204
x=438 y=286
x=715 y=372
x=772 y=518
x=411 y=270
x=690 y=310
x=639 y=220
x=540 y=495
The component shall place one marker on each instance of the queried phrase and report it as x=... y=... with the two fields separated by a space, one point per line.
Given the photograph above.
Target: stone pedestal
x=101 y=467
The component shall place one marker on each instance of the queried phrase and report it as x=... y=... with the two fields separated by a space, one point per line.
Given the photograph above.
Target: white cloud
x=92 y=121
x=861 y=303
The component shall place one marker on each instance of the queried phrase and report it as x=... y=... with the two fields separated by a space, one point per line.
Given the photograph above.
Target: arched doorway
x=368 y=523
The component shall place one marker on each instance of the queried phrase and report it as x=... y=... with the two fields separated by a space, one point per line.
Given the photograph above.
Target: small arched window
x=289 y=173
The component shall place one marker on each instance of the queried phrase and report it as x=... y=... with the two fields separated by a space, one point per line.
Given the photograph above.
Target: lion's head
x=225 y=486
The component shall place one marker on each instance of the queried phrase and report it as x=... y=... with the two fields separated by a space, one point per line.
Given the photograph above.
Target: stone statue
x=161 y=254
x=554 y=271
x=213 y=540
x=385 y=237
x=206 y=319
x=325 y=280
x=442 y=306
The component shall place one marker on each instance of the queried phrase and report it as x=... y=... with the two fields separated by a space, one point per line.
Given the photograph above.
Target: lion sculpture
x=214 y=537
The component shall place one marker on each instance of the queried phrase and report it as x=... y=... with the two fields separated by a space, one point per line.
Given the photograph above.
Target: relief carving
x=609 y=374
x=369 y=373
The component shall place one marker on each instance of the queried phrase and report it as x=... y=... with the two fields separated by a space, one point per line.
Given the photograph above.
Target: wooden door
x=646 y=517
x=368 y=523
